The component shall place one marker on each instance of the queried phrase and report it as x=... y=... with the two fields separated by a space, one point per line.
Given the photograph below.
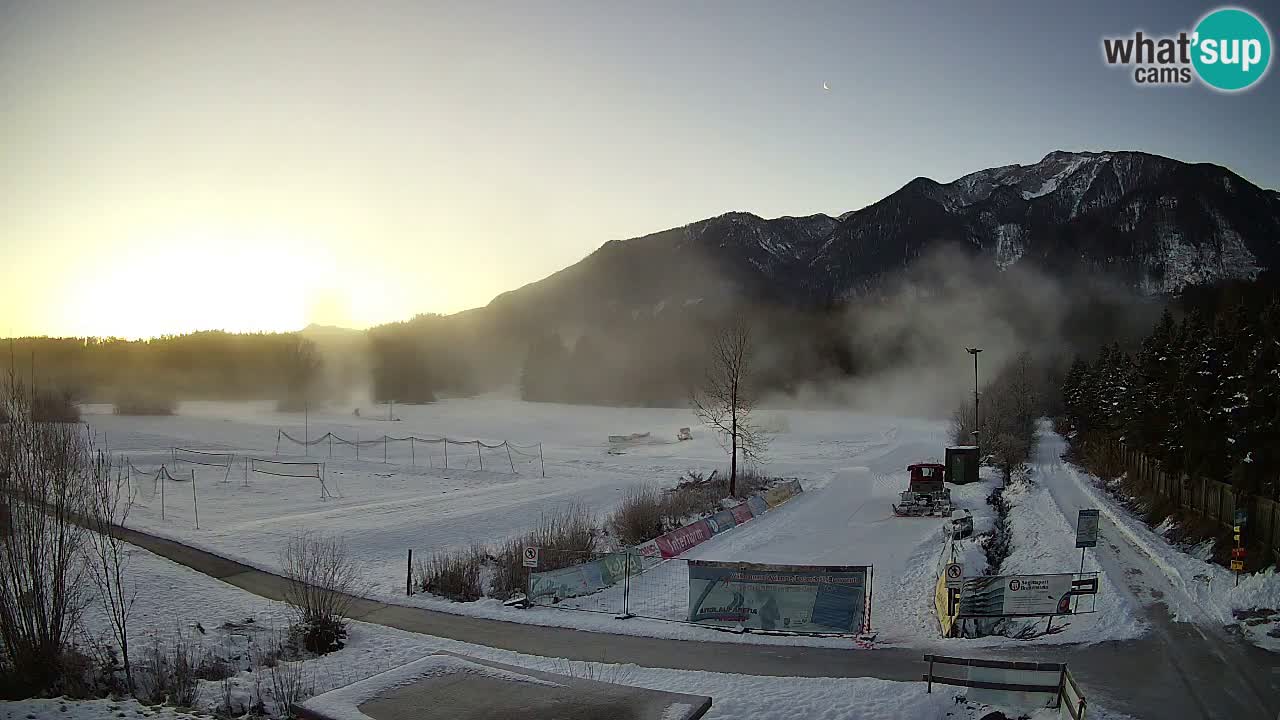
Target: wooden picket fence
x=1211 y=499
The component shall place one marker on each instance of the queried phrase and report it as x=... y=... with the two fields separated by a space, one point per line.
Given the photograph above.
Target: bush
x=323 y=581
x=54 y=406
x=453 y=574
x=145 y=401
x=566 y=537
x=170 y=675
x=640 y=517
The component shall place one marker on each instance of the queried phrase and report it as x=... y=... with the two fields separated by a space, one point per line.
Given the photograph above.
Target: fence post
x=542 y=462
x=195 y=504
x=278 y=432
x=513 y=462
x=413 y=455
x=626 y=587
x=384 y=448
x=479 y=455
x=357 y=445
x=408 y=575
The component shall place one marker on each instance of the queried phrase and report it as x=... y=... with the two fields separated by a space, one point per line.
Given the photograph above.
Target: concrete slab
x=465 y=688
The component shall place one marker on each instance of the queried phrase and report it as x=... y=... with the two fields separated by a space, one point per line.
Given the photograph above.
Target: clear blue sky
x=356 y=163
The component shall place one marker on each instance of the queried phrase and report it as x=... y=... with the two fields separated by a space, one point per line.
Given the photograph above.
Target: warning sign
x=955 y=575
x=1237 y=565
x=531 y=557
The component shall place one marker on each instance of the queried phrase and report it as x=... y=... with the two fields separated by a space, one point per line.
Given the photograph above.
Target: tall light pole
x=974 y=352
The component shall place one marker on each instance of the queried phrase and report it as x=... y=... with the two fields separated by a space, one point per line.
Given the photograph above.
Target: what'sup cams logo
x=1229 y=50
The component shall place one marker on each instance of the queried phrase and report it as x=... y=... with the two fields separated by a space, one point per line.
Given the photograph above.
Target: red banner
x=741 y=513
x=677 y=541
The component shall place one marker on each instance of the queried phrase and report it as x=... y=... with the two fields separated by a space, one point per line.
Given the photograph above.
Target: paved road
x=1178 y=670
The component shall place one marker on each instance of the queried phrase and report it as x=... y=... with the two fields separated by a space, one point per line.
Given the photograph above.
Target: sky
x=174 y=166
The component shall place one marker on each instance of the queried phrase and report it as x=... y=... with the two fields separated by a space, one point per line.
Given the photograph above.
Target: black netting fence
x=438 y=452
x=295 y=469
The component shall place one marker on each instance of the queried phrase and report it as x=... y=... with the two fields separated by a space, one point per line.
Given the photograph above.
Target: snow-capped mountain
x=1154 y=223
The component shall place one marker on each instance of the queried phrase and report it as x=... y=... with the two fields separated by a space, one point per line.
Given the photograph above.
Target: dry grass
x=453 y=574
x=566 y=537
x=641 y=516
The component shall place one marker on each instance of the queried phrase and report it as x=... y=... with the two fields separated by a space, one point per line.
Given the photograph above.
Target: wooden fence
x=1210 y=499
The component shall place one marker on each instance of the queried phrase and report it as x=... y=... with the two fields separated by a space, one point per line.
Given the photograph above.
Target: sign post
x=1086 y=537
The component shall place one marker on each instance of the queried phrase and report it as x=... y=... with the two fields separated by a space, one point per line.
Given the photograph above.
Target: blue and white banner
x=792 y=598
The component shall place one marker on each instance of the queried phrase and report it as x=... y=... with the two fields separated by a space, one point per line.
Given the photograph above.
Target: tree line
x=1201 y=394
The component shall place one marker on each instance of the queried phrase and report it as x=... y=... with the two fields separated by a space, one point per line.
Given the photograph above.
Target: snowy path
x=1222 y=676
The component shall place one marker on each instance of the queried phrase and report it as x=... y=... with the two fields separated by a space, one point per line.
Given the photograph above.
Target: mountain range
x=1149 y=222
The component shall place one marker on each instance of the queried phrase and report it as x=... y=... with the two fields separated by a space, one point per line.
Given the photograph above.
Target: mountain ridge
x=1152 y=222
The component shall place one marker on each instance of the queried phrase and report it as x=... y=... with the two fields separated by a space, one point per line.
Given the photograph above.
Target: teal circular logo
x=1232 y=49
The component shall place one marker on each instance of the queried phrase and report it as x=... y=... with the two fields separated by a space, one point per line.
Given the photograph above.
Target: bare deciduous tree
x=108 y=555
x=43 y=481
x=323 y=581
x=726 y=398
x=1007 y=427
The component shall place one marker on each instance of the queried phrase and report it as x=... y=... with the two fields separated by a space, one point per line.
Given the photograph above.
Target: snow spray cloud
x=909 y=341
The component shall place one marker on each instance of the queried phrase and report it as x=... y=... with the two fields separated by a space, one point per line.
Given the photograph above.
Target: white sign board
x=999 y=596
x=1087 y=529
x=531 y=557
x=1036 y=594
x=955 y=575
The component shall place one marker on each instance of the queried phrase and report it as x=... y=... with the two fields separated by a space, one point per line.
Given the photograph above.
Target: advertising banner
x=758 y=505
x=555 y=585
x=607 y=571
x=741 y=513
x=721 y=521
x=1012 y=595
x=782 y=492
x=795 y=598
x=677 y=541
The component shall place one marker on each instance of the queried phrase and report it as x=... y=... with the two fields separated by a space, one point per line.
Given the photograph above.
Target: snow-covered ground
x=173 y=598
x=851 y=465
x=1193 y=589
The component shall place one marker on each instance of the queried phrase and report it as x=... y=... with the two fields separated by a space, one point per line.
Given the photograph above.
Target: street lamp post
x=974 y=352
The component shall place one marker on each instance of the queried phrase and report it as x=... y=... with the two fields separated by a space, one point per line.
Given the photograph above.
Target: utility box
x=962 y=464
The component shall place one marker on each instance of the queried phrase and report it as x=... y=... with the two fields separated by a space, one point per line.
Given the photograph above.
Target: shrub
x=509 y=572
x=323 y=580
x=46 y=469
x=145 y=401
x=640 y=516
x=291 y=683
x=170 y=675
x=566 y=537
x=453 y=574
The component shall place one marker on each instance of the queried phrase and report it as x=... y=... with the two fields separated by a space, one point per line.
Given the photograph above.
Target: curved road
x=1179 y=670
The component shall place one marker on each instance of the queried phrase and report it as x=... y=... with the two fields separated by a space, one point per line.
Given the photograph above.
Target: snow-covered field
x=851 y=465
